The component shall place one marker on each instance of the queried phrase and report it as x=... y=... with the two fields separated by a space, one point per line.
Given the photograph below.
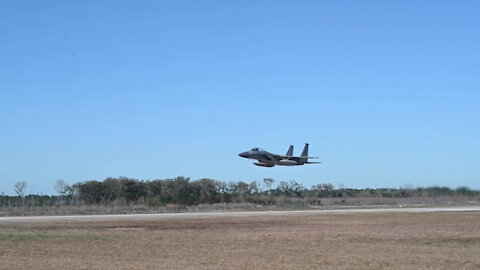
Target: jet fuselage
x=267 y=159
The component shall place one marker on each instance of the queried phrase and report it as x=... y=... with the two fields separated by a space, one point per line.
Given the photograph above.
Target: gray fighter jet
x=267 y=159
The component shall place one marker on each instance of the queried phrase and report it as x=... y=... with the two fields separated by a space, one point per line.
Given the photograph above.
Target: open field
x=354 y=240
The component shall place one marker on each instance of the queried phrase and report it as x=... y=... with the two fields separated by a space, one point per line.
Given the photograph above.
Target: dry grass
x=353 y=241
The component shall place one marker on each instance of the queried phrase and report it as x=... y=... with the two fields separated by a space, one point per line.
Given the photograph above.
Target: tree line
x=183 y=191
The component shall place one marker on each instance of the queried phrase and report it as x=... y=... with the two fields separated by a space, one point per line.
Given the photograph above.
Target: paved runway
x=36 y=219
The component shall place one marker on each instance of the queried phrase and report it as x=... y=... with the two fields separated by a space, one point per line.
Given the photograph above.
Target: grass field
x=346 y=241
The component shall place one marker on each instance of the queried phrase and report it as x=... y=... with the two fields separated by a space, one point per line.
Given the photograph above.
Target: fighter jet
x=267 y=159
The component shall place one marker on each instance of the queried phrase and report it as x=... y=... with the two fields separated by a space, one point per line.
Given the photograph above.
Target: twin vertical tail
x=290 y=151
x=305 y=151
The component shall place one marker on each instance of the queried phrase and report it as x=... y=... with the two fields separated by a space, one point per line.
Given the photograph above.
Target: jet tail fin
x=305 y=151
x=290 y=151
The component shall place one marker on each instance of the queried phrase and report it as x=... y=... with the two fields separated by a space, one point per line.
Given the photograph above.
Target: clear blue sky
x=387 y=93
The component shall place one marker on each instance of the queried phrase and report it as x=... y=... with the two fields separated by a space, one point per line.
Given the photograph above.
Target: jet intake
x=261 y=164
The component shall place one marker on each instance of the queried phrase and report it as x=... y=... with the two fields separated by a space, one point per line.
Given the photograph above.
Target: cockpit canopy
x=256 y=149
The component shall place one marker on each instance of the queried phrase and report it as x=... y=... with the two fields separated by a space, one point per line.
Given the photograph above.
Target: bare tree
x=20 y=187
x=268 y=183
x=61 y=187
x=253 y=187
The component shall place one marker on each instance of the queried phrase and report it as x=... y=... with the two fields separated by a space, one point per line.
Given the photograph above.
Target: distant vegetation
x=181 y=193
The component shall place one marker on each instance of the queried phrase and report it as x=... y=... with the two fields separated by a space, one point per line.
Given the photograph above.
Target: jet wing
x=271 y=156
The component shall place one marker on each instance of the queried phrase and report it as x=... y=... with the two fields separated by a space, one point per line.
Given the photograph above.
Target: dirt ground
x=449 y=240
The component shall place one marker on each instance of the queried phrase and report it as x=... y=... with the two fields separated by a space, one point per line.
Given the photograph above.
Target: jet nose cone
x=244 y=154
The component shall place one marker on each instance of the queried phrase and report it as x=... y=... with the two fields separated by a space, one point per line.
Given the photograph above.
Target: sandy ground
x=425 y=238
